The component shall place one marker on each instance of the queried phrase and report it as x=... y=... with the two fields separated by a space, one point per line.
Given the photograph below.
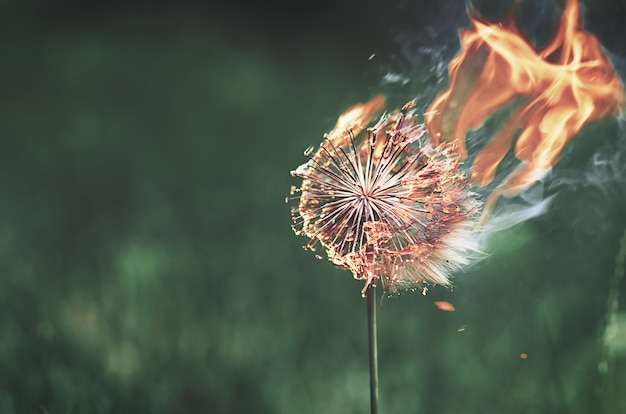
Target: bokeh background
x=147 y=263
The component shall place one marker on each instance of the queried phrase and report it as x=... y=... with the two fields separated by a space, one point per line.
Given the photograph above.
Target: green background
x=147 y=263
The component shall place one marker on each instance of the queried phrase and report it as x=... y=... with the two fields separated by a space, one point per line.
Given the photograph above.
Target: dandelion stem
x=373 y=347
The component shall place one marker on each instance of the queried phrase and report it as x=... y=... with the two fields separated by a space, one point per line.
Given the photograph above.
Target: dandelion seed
x=384 y=203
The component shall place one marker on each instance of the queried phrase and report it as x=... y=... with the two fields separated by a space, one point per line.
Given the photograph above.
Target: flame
x=566 y=85
x=355 y=119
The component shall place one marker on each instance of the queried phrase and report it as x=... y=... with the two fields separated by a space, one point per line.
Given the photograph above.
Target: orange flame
x=566 y=85
x=355 y=118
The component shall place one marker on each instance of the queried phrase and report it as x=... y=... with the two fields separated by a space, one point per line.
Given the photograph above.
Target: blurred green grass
x=147 y=262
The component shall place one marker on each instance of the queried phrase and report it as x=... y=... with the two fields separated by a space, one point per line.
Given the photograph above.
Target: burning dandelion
x=390 y=203
x=384 y=203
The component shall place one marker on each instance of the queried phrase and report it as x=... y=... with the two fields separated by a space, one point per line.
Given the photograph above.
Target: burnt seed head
x=384 y=203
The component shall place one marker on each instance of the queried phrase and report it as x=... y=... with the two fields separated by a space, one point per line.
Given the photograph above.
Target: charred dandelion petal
x=385 y=204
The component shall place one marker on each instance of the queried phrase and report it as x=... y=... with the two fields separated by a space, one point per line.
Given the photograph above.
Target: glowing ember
x=384 y=203
x=445 y=306
x=566 y=85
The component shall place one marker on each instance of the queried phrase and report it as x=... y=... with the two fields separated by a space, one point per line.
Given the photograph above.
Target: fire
x=355 y=118
x=566 y=85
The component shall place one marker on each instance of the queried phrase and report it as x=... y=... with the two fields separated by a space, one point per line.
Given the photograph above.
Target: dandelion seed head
x=384 y=203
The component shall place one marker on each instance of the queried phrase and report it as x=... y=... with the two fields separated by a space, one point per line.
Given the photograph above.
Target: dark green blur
x=147 y=263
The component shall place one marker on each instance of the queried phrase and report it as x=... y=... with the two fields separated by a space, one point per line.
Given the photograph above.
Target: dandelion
x=384 y=203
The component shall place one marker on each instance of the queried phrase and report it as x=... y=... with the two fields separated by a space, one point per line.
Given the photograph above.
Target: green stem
x=373 y=347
